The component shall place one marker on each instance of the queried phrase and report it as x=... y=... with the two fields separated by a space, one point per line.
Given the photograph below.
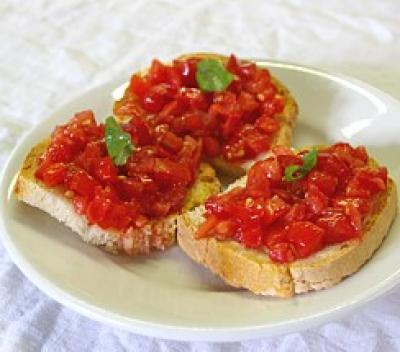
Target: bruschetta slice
x=237 y=109
x=299 y=221
x=78 y=177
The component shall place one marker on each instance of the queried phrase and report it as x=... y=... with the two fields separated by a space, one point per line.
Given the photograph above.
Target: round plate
x=166 y=294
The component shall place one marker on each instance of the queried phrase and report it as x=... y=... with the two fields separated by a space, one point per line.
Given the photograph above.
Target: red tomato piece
x=362 y=204
x=259 y=83
x=233 y=64
x=97 y=210
x=267 y=124
x=205 y=229
x=117 y=216
x=105 y=170
x=187 y=71
x=129 y=188
x=282 y=252
x=349 y=155
x=82 y=183
x=139 y=86
x=157 y=73
x=258 y=183
x=61 y=152
x=338 y=226
x=297 y=212
x=193 y=98
x=374 y=180
x=271 y=169
x=84 y=118
x=255 y=142
x=188 y=123
x=225 y=229
x=332 y=165
x=275 y=207
x=306 y=237
x=324 y=181
x=171 y=142
x=221 y=205
x=355 y=216
x=252 y=236
x=52 y=175
x=155 y=98
x=140 y=131
x=316 y=200
x=166 y=171
x=248 y=102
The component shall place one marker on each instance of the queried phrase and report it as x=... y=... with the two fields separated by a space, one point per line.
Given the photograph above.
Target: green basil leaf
x=119 y=143
x=310 y=159
x=293 y=173
x=296 y=172
x=211 y=76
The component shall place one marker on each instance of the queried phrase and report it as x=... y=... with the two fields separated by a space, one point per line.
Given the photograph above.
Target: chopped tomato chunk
x=52 y=175
x=306 y=237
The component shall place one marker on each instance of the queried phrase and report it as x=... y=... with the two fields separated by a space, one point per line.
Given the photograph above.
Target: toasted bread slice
x=157 y=234
x=253 y=270
x=287 y=120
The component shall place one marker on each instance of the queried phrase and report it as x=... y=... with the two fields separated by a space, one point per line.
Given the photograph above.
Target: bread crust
x=156 y=234
x=253 y=270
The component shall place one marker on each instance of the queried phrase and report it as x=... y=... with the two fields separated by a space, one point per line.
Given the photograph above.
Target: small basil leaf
x=310 y=159
x=293 y=173
x=211 y=76
x=296 y=172
x=119 y=143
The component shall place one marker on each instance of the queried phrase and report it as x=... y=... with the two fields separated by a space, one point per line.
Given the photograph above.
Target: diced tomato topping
x=173 y=124
x=242 y=119
x=293 y=219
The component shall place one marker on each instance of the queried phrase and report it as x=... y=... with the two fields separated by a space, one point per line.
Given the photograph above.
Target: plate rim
x=182 y=333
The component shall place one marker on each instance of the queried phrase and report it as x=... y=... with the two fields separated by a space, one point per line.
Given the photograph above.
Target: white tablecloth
x=52 y=50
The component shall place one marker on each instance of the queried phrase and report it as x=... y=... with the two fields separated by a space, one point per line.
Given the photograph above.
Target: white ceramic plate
x=167 y=295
